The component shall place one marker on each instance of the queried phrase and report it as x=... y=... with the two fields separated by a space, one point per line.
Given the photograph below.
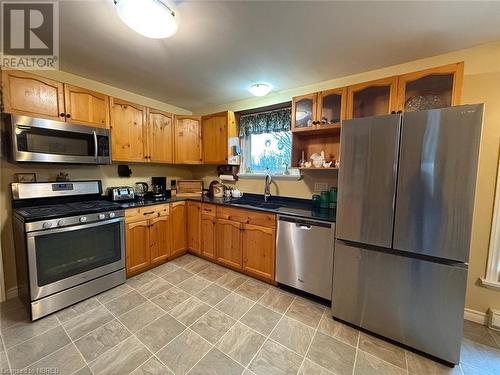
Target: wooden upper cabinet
x=193 y=225
x=372 y=98
x=259 y=248
x=160 y=137
x=86 y=107
x=128 y=131
x=28 y=94
x=228 y=240
x=178 y=219
x=187 y=140
x=304 y=111
x=137 y=245
x=215 y=129
x=159 y=239
x=332 y=106
x=431 y=88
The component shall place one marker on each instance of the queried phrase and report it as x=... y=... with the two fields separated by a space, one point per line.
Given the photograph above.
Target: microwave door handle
x=95 y=144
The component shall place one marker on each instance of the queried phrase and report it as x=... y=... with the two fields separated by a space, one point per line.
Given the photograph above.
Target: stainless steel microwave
x=47 y=141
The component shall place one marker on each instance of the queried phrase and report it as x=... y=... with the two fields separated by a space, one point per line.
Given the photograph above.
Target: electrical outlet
x=320 y=186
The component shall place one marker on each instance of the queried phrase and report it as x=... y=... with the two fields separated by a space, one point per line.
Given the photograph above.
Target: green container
x=325 y=199
x=316 y=201
x=333 y=198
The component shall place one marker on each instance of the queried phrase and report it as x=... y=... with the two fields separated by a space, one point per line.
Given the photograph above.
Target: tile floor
x=190 y=316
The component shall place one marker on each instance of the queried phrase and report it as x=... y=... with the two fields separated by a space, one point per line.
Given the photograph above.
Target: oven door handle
x=95 y=144
x=74 y=227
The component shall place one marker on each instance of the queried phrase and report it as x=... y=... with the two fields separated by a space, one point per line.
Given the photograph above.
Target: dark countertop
x=278 y=205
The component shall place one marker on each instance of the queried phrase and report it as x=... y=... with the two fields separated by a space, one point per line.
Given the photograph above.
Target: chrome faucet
x=267 y=186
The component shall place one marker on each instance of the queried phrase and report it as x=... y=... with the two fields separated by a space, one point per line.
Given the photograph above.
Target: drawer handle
x=149 y=213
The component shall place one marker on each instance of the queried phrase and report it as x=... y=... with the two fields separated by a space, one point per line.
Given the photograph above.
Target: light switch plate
x=320 y=186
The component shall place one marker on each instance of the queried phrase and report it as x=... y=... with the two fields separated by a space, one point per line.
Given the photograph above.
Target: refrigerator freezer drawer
x=305 y=255
x=415 y=302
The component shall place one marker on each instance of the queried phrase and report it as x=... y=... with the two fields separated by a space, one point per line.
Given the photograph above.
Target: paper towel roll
x=227 y=177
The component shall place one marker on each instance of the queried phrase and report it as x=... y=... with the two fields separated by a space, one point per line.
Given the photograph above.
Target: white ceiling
x=224 y=46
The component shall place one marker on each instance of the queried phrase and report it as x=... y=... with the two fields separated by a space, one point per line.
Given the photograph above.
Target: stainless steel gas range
x=70 y=243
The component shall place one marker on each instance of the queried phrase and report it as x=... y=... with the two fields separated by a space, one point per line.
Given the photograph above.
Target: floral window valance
x=265 y=122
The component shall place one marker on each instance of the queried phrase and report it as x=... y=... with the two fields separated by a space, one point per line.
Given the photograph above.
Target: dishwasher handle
x=305 y=224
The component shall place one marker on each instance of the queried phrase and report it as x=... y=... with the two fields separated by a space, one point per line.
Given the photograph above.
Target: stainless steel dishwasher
x=305 y=255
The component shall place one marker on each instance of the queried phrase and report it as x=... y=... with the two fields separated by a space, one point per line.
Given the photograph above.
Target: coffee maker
x=159 y=188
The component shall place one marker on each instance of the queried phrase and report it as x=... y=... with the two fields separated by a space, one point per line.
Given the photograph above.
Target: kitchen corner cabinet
x=372 y=98
x=193 y=225
x=178 y=216
x=86 y=107
x=219 y=134
x=187 y=145
x=128 y=131
x=259 y=248
x=160 y=138
x=31 y=95
x=228 y=234
x=432 y=88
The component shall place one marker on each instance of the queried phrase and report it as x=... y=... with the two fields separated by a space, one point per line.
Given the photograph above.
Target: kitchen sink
x=256 y=203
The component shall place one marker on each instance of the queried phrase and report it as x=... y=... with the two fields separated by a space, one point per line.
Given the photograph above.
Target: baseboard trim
x=476 y=316
x=11 y=293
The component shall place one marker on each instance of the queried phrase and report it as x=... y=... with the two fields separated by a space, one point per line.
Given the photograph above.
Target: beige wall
x=481 y=84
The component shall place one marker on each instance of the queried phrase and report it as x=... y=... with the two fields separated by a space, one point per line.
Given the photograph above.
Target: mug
x=236 y=193
x=227 y=193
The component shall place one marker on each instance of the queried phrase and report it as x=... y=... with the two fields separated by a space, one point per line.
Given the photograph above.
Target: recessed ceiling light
x=260 y=89
x=151 y=18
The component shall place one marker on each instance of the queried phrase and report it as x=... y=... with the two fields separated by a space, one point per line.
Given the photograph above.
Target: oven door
x=61 y=258
x=41 y=140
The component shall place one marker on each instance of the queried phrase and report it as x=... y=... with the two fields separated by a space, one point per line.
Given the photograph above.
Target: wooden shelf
x=316 y=169
x=318 y=130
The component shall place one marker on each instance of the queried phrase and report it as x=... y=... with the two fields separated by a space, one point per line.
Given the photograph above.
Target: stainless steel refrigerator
x=404 y=220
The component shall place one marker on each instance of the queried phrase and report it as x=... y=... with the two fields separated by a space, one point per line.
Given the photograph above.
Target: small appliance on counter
x=216 y=189
x=120 y=193
x=158 y=188
x=140 y=189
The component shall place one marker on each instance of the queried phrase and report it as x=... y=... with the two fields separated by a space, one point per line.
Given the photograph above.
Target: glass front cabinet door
x=372 y=98
x=304 y=111
x=431 y=88
x=332 y=106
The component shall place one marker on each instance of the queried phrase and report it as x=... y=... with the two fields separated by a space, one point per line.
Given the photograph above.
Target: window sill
x=261 y=176
x=490 y=284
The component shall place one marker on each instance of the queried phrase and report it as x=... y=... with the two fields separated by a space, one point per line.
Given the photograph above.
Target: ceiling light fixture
x=151 y=18
x=260 y=89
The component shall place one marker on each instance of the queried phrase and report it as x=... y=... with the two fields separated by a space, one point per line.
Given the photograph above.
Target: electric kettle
x=140 y=189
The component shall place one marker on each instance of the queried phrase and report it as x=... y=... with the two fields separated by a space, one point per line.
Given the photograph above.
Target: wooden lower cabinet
x=228 y=241
x=193 y=225
x=208 y=235
x=178 y=216
x=159 y=239
x=137 y=246
x=259 y=249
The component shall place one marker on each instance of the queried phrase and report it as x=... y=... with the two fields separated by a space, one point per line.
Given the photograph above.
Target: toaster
x=121 y=193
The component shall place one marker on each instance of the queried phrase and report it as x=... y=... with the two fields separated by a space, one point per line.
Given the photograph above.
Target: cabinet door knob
x=68 y=115
x=62 y=114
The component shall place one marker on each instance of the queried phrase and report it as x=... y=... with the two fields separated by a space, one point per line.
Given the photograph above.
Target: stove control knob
x=61 y=223
x=112 y=215
x=101 y=216
x=83 y=219
x=46 y=225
